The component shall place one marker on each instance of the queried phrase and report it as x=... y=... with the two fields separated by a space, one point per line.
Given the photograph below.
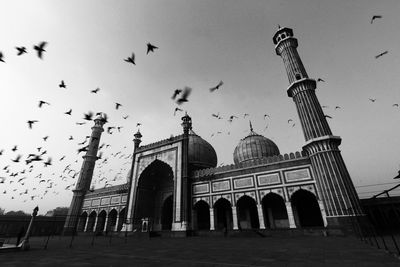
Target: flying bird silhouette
x=1 y=57
x=320 y=80
x=40 y=49
x=17 y=158
x=150 y=48
x=132 y=58
x=125 y=117
x=88 y=116
x=374 y=17
x=30 y=123
x=289 y=120
x=327 y=116
x=21 y=50
x=177 y=109
x=15 y=148
x=95 y=90
x=185 y=94
x=337 y=107
x=117 y=105
x=62 y=84
x=176 y=92
x=68 y=112
x=41 y=103
x=45 y=138
x=48 y=162
x=80 y=123
x=381 y=54
x=395 y=105
x=138 y=124
x=372 y=99
x=217 y=86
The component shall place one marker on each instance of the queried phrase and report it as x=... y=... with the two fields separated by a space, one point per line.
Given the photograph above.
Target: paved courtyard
x=200 y=251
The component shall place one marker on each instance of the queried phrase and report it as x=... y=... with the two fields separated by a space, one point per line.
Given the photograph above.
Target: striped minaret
x=85 y=176
x=333 y=180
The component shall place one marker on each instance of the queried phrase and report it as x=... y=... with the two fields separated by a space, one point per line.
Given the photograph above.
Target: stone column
x=105 y=224
x=95 y=223
x=116 y=223
x=289 y=211
x=260 y=216
x=234 y=217
x=323 y=213
x=212 y=226
x=86 y=223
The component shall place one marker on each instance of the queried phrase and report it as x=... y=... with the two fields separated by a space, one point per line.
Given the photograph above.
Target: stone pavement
x=200 y=251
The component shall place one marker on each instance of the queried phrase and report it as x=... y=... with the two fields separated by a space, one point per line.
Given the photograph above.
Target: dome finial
x=251 y=126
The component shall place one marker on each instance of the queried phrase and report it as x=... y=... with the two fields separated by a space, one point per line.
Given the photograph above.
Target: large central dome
x=253 y=147
x=201 y=153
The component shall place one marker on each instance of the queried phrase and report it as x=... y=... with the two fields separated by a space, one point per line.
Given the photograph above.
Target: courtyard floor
x=199 y=251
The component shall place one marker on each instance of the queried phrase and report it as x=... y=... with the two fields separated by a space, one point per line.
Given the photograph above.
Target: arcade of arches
x=101 y=222
x=273 y=212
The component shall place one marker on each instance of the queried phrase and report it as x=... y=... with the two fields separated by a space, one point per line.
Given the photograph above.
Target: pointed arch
x=201 y=215
x=247 y=213
x=274 y=211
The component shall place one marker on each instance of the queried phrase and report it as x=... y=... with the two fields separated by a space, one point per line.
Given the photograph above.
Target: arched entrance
x=92 y=219
x=275 y=213
x=155 y=182
x=112 y=220
x=202 y=215
x=223 y=214
x=82 y=222
x=166 y=216
x=121 y=219
x=306 y=209
x=247 y=213
x=101 y=220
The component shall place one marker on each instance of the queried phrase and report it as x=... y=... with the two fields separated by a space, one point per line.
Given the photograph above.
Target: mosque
x=174 y=184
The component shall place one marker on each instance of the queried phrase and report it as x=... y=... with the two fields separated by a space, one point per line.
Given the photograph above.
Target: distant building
x=174 y=184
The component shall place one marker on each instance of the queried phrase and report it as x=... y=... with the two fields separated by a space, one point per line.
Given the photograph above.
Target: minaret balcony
x=301 y=85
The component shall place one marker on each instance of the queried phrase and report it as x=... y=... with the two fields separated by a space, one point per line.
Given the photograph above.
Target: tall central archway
x=154 y=197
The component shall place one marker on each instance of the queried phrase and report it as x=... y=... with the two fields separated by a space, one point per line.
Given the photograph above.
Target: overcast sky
x=200 y=43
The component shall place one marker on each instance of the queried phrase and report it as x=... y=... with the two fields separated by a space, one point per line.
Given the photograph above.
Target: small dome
x=254 y=146
x=201 y=153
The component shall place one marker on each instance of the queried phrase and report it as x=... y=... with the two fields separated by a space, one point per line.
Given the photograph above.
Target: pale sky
x=200 y=43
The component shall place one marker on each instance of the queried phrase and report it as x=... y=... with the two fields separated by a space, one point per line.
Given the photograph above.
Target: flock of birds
x=70 y=174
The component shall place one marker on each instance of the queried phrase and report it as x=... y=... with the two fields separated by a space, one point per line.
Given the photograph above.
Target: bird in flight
x=150 y=48
x=1 y=57
x=320 y=80
x=15 y=148
x=289 y=120
x=132 y=58
x=41 y=103
x=381 y=54
x=217 y=86
x=374 y=17
x=327 y=116
x=138 y=124
x=88 y=116
x=17 y=158
x=68 y=112
x=48 y=162
x=176 y=92
x=117 y=105
x=80 y=123
x=45 y=138
x=337 y=107
x=71 y=137
x=177 y=109
x=372 y=99
x=62 y=84
x=95 y=90
x=21 y=50
x=395 y=105
x=30 y=123
x=125 y=117
x=40 y=49
x=185 y=94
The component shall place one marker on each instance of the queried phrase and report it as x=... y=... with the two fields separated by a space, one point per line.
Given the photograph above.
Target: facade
x=174 y=184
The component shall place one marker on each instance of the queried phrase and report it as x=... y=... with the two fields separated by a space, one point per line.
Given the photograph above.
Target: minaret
x=333 y=180
x=129 y=213
x=187 y=126
x=85 y=176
